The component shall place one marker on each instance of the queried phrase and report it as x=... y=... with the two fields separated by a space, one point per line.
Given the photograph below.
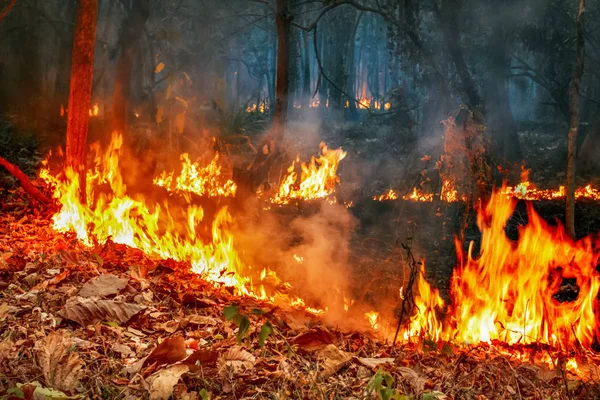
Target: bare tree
x=81 y=83
x=572 y=147
x=283 y=19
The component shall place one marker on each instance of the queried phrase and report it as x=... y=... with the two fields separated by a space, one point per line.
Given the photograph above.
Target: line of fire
x=285 y=199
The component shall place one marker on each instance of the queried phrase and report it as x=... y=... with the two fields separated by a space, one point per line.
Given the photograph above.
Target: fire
x=388 y=195
x=509 y=292
x=94 y=111
x=418 y=195
x=204 y=181
x=317 y=180
x=261 y=108
x=108 y=213
x=448 y=193
x=372 y=317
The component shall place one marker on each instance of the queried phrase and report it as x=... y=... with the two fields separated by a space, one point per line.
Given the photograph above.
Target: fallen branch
x=25 y=182
x=5 y=12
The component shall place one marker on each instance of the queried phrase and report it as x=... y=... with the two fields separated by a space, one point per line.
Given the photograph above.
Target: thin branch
x=6 y=10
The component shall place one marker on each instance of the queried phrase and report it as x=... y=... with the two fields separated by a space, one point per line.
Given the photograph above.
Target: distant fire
x=94 y=111
x=203 y=180
x=418 y=195
x=318 y=178
x=389 y=195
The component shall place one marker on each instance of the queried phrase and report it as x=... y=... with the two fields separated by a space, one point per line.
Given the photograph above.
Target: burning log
x=25 y=182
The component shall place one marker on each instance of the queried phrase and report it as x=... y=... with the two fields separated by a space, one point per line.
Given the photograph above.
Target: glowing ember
x=94 y=110
x=317 y=180
x=204 y=181
x=372 y=317
x=109 y=213
x=389 y=195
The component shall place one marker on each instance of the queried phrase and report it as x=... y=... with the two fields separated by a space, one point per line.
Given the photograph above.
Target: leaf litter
x=109 y=322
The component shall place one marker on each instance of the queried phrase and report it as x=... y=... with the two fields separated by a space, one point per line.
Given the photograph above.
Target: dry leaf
x=61 y=368
x=202 y=358
x=201 y=320
x=413 y=378
x=239 y=359
x=316 y=339
x=333 y=359
x=165 y=381
x=374 y=362
x=168 y=352
x=89 y=311
x=103 y=285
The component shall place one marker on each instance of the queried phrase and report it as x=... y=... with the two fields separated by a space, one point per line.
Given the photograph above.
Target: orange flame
x=94 y=111
x=318 y=178
x=204 y=181
x=109 y=213
x=388 y=195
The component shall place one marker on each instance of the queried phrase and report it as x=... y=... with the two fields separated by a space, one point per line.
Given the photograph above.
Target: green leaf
x=244 y=325
x=257 y=311
x=16 y=392
x=112 y=324
x=433 y=396
x=204 y=394
x=265 y=331
x=230 y=312
x=429 y=345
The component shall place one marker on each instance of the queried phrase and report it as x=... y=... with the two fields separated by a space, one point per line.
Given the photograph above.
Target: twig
x=408 y=301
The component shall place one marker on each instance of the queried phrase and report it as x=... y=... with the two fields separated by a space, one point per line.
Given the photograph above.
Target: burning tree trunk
x=81 y=83
x=283 y=19
x=571 y=156
x=132 y=29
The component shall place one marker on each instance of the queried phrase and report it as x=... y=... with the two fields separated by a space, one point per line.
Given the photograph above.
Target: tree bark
x=572 y=146
x=131 y=30
x=283 y=19
x=80 y=87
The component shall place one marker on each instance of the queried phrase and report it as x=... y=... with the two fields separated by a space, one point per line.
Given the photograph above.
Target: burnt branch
x=24 y=180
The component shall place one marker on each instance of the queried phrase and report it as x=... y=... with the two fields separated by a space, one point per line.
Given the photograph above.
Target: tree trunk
x=131 y=30
x=80 y=91
x=572 y=148
x=306 y=72
x=283 y=19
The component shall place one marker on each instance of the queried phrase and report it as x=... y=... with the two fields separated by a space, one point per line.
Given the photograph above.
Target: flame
x=261 y=108
x=448 y=193
x=509 y=292
x=62 y=110
x=372 y=317
x=94 y=111
x=108 y=213
x=317 y=180
x=418 y=195
x=388 y=195
x=204 y=181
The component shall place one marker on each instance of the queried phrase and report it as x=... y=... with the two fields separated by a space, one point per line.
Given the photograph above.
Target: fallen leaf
x=201 y=320
x=374 y=362
x=102 y=286
x=61 y=368
x=313 y=340
x=202 y=358
x=239 y=359
x=333 y=359
x=36 y=391
x=89 y=311
x=413 y=378
x=123 y=350
x=168 y=352
x=165 y=381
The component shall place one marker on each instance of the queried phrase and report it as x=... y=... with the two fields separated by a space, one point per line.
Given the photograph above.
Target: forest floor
x=110 y=323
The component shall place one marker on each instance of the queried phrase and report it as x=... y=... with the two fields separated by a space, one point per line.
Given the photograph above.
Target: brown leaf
x=168 y=352
x=333 y=359
x=201 y=358
x=61 y=368
x=89 y=311
x=165 y=381
x=414 y=379
x=103 y=285
x=239 y=359
x=313 y=340
x=374 y=362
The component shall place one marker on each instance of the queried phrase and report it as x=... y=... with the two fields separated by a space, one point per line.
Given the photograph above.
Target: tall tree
x=572 y=147
x=283 y=19
x=131 y=30
x=80 y=91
